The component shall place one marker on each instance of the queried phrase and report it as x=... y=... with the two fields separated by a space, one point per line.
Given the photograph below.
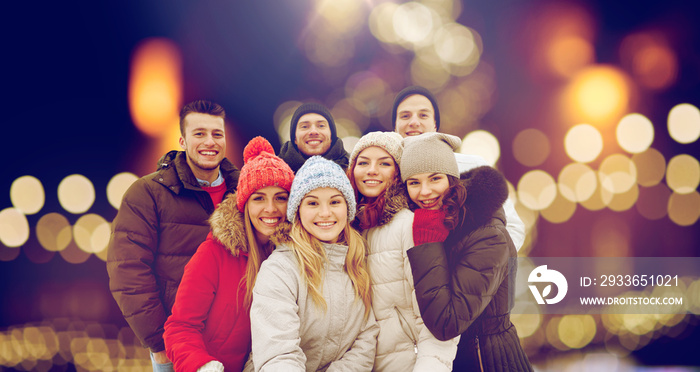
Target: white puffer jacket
x=404 y=343
x=291 y=333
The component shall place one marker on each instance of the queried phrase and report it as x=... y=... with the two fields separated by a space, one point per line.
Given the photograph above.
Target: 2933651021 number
x=639 y=280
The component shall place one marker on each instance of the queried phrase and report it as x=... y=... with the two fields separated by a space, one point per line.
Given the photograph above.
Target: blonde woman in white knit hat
x=461 y=259
x=311 y=302
x=404 y=343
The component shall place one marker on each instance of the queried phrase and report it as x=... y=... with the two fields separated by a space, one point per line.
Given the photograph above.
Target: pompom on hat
x=318 y=172
x=387 y=141
x=261 y=168
x=430 y=152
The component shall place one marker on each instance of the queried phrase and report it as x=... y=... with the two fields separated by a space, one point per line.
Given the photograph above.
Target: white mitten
x=213 y=366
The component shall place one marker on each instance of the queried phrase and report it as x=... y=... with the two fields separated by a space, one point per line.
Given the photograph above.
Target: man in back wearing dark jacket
x=162 y=220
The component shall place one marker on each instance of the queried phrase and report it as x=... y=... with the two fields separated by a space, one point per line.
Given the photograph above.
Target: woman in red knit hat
x=209 y=329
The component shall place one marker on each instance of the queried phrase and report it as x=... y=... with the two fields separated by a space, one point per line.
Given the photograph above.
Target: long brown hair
x=453 y=203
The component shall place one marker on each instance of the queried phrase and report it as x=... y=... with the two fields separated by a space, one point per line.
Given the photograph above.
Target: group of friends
x=397 y=256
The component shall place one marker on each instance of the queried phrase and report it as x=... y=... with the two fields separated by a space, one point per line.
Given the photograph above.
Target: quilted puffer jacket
x=161 y=222
x=404 y=343
x=462 y=284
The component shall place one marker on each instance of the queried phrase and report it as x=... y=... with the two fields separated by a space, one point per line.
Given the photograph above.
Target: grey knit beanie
x=429 y=153
x=387 y=141
x=318 y=172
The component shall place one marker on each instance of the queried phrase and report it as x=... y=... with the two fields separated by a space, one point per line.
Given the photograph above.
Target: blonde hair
x=256 y=255
x=311 y=256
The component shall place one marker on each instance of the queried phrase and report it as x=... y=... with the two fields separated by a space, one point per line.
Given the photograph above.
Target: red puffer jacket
x=210 y=320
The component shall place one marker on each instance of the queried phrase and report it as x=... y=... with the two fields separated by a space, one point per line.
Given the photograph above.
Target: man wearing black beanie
x=415 y=112
x=312 y=132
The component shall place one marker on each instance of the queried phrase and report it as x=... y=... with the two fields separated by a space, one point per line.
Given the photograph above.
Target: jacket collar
x=336 y=153
x=174 y=173
x=395 y=199
x=228 y=227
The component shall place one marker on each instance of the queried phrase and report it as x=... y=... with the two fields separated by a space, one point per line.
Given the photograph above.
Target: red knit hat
x=261 y=168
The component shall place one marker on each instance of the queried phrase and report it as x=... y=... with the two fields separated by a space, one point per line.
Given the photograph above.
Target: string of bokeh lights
x=93 y=346
x=619 y=183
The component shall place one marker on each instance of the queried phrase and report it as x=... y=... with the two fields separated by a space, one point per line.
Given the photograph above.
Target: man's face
x=204 y=141
x=415 y=115
x=313 y=135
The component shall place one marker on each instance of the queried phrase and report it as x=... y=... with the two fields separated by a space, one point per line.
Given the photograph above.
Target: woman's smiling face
x=324 y=213
x=267 y=207
x=427 y=189
x=374 y=171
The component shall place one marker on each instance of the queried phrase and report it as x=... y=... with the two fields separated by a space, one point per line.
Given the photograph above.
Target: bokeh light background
x=590 y=109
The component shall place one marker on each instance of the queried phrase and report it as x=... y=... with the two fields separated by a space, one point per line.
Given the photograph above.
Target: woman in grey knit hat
x=311 y=302
x=460 y=262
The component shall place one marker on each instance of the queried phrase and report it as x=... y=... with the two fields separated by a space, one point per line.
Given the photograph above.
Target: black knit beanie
x=309 y=108
x=415 y=89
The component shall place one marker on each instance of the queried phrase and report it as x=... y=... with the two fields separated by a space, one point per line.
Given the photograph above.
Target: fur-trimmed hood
x=281 y=234
x=395 y=199
x=486 y=192
x=228 y=227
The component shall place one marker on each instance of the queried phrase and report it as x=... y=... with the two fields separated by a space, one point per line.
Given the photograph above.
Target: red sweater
x=209 y=319
x=216 y=192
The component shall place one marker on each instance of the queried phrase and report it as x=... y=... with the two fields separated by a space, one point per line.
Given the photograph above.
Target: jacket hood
x=295 y=159
x=281 y=234
x=395 y=199
x=227 y=226
x=167 y=159
x=486 y=192
x=174 y=172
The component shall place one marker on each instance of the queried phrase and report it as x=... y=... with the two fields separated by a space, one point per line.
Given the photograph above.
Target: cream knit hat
x=430 y=152
x=387 y=141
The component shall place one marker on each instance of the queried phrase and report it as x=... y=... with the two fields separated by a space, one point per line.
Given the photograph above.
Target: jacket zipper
x=478 y=353
x=404 y=324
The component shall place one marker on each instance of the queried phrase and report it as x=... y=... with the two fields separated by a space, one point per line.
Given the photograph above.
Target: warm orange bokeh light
x=568 y=54
x=599 y=95
x=155 y=86
x=652 y=61
x=562 y=40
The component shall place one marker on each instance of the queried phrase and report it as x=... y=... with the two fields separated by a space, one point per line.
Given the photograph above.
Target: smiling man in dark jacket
x=312 y=132
x=163 y=219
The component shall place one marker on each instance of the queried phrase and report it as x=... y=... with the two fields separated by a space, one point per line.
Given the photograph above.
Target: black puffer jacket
x=295 y=159
x=161 y=222
x=462 y=285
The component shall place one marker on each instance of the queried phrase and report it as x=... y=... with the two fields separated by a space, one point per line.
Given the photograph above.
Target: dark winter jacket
x=161 y=222
x=295 y=159
x=462 y=285
x=210 y=320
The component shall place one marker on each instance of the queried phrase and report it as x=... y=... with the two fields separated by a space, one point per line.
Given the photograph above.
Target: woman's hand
x=428 y=226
